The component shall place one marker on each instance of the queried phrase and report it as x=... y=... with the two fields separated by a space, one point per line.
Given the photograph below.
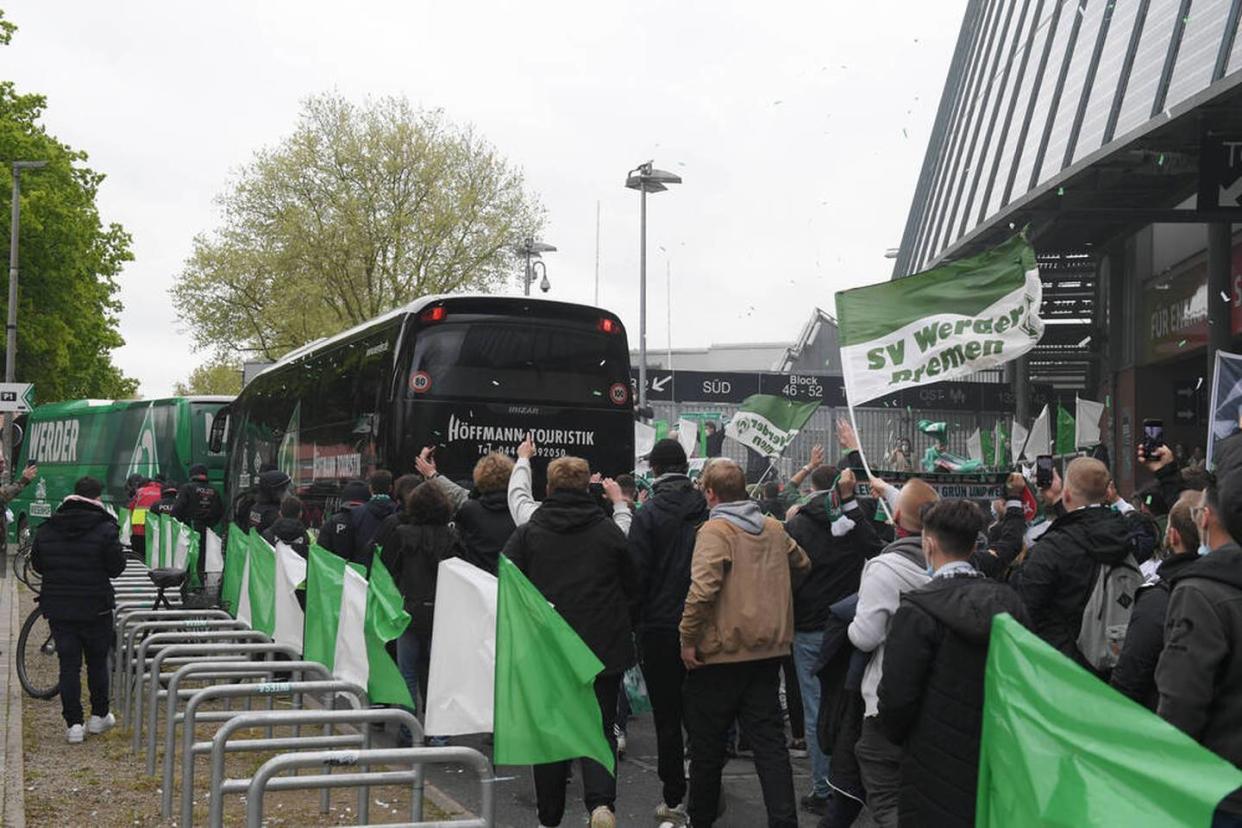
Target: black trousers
x=599 y=787
x=665 y=674
x=748 y=691
x=75 y=639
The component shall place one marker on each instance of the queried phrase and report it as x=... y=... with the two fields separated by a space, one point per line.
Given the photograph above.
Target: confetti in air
x=1060 y=191
x=1181 y=344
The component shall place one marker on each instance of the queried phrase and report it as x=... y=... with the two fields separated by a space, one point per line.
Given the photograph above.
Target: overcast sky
x=799 y=129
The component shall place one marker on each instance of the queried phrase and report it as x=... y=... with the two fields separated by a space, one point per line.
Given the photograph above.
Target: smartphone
x=30 y=463
x=1043 y=471
x=1153 y=437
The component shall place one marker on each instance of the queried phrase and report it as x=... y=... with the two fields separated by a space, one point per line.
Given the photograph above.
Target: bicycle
x=22 y=568
x=38 y=668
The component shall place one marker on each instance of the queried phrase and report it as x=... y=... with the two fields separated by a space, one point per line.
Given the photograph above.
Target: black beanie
x=667 y=455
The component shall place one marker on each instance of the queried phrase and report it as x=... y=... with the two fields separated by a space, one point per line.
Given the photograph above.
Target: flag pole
x=862 y=456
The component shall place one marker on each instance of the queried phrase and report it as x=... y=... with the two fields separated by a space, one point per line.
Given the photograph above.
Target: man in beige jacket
x=737 y=626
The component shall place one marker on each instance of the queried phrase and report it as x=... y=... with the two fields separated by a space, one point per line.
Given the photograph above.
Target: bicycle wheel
x=38 y=668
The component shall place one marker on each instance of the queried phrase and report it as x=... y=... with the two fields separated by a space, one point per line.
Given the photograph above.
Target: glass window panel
x=1235 y=55
x=1104 y=90
x=1197 y=57
x=1040 y=114
x=1084 y=46
x=1148 y=64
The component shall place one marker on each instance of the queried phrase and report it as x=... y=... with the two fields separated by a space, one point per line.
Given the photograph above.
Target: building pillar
x=1021 y=391
x=1219 y=293
x=1115 y=347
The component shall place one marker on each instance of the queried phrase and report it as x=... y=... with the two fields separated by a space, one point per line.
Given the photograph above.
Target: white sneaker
x=97 y=724
x=603 y=817
x=671 y=816
x=76 y=734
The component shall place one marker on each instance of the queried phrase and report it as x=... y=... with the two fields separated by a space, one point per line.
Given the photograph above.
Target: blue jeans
x=414 y=662
x=806 y=653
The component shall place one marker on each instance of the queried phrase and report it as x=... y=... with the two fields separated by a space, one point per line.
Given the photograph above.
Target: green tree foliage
x=362 y=208
x=69 y=260
x=215 y=377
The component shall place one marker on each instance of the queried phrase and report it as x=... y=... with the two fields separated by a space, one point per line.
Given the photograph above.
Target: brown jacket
x=740 y=604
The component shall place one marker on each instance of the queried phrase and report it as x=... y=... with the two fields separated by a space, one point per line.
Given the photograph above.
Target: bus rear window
x=531 y=361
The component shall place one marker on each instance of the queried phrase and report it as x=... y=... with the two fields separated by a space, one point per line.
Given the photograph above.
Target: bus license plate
x=42 y=510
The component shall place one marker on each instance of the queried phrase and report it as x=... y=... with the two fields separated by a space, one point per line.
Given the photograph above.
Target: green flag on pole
x=236 y=552
x=546 y=709
x=325 y=573
x=768 y=424
x=1065 y=432
x=1060 y=747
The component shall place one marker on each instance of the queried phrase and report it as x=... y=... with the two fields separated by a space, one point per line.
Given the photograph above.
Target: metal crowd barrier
x=266 y=779
x=219 y=645
x=220 y=786
x=331 y=688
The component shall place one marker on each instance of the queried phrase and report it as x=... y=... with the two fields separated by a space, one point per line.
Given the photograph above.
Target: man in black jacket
x=1135 y=673
x=168 y=499
x=289 y=528
x=337 y=533
x=1060 y=571
x=77 y=551
x=579 y=560
x=662 y=543
x=837 y=536
x=368 y=517
x=1199 y=676
x=198 y=505
x=931 y=693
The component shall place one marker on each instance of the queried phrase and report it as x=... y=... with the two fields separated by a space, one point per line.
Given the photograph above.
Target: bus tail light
x=435 y=314
x=609 y=326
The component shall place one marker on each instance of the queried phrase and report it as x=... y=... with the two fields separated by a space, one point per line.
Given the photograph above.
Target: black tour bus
x=467 y=374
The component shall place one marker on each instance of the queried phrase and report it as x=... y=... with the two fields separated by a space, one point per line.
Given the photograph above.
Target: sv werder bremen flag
x=1060 y=747
x=349 y=620
x=504 y=660
x=941 y=324
x=234 y=563
x=768 y=424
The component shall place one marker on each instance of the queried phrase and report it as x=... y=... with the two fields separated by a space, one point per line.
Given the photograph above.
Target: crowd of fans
x=861 y=614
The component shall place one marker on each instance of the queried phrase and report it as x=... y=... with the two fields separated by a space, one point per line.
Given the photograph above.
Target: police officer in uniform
x=199 y=506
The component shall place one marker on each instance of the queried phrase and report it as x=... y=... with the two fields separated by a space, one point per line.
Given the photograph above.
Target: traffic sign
x=1220 y=171
x=17 y=396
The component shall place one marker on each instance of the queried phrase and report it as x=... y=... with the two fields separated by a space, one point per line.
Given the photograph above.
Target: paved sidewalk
x=12 y=799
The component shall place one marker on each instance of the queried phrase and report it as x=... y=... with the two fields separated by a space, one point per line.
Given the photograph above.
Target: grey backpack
x=1107 y=614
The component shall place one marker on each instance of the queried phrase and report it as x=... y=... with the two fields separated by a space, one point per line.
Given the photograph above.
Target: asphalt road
x=638 y=789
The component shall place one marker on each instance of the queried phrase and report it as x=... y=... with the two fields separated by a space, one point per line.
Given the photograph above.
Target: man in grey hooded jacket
x=900 y=568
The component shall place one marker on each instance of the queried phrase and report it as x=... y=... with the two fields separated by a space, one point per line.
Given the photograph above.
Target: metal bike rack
x=266 y=779
x=190 y=748
x=236 y=671
x=188 y=623
x=122 y=621
x=208 y=646
x=135 y=669
x=220 y=786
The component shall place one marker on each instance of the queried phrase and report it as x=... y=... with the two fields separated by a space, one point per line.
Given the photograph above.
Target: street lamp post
x=531 y=249
x=645 y=179
x=10 y=349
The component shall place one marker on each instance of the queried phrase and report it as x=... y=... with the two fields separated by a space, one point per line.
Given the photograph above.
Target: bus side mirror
x=219 y=425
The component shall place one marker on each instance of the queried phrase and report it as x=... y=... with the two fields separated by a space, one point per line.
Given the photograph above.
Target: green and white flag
x=503 y=660
x=126 y=524
x=154 y=535
x=349 y=620
x=290 y=621
x=942 y=324
x=258 y=592
x=768 y=424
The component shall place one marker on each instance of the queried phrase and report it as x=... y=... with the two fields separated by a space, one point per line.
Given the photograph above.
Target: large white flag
x=688 y=435
x=1039 y=441
x=461 y=691
x=1087 y=422
x=290 y=619
x=243 y=596
x=974 y=446
x=350 y=661
x=1017 y=440
x=215 y=554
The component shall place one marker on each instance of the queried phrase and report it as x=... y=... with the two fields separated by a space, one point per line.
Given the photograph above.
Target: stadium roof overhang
x=1136 y=180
